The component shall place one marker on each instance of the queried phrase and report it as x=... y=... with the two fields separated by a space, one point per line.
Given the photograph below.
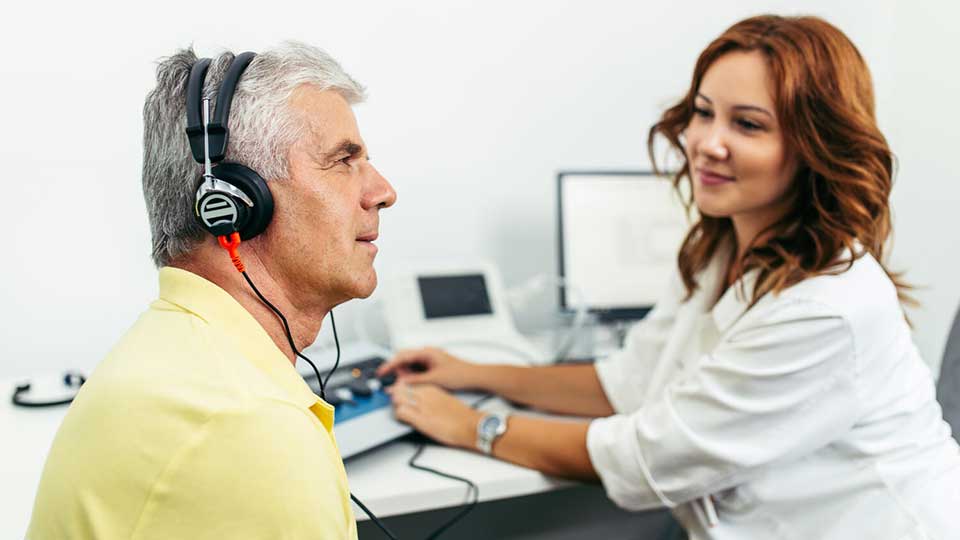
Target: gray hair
x=262 y=130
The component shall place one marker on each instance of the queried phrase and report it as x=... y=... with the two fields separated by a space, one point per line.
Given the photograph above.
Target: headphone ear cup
x=73 y=379
x=247 y=180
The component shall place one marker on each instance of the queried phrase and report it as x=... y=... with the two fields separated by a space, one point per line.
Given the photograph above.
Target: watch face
x=489 y=426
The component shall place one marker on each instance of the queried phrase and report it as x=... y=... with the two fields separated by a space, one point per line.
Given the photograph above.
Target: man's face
x=320 y=242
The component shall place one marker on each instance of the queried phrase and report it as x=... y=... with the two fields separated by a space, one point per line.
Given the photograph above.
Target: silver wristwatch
x=490 y=427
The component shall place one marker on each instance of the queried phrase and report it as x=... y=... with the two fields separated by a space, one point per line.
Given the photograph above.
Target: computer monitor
x=619 y=234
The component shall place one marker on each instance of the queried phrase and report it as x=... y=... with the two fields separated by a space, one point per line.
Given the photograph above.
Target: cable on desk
x=471 y=489
x=376 y=521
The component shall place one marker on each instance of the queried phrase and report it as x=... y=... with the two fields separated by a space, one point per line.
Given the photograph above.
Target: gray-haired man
x=197 y=425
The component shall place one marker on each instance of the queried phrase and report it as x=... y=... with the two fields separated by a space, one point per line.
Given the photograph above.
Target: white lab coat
x=809 y=415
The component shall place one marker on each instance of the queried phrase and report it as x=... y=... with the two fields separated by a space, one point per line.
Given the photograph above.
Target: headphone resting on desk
x=70 y=380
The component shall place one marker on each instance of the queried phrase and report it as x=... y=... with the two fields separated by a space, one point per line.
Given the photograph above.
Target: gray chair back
x=948 y=386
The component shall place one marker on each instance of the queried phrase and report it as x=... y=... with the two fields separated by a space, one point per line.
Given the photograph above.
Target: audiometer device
x=363 y=413
x=459 y=308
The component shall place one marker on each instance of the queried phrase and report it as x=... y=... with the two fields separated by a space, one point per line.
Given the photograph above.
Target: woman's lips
x=710 y=178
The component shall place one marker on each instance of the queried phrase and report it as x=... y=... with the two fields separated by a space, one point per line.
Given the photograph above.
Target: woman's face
x=739 y=164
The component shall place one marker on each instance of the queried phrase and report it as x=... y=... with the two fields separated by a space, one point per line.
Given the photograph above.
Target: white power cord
x=519 y=295
x=360 y=328
x=530 y=356
x=360 y=324
x=523 y=293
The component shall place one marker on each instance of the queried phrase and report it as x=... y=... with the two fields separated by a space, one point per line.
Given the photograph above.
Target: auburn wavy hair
x=824 y=102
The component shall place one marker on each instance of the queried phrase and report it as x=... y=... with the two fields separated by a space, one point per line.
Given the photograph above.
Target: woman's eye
x=701 y=112
x=749 y=125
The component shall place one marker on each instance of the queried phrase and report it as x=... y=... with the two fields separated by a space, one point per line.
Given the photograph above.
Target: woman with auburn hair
x=774 y=391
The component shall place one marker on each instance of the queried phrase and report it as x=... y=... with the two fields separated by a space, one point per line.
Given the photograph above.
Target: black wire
x=472 y=489
x=286 y=329
x=15 y=399
x=379 y=523
x=322 y=381
x=333 y=322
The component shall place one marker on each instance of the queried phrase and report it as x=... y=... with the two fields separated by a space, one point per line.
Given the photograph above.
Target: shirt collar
x=215 y=306
x=735 y=299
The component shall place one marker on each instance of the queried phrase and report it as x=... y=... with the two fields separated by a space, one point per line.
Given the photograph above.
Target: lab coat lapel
x=685 y=346
x=734 y=302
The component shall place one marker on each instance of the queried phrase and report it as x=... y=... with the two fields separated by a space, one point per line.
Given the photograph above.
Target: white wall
x=473 y=107
x=920 y=106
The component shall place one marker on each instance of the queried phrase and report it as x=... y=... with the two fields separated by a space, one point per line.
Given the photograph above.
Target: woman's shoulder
x=860 y=292
x=861 y=281
x=856 y=305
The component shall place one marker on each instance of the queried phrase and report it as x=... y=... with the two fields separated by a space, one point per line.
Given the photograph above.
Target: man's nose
x=380 y=193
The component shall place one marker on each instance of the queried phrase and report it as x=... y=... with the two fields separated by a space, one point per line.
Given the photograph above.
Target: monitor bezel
x=603 y=314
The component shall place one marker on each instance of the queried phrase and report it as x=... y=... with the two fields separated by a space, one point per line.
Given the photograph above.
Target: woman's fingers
x=403 y=360
x=403 y=394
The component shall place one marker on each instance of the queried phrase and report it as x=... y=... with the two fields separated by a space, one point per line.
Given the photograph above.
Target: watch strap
x=485 y=439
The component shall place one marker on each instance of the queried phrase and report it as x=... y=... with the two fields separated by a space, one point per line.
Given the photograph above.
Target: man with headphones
x=197 y=424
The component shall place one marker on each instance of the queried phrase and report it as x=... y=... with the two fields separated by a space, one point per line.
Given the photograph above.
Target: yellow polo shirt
x=194 y=426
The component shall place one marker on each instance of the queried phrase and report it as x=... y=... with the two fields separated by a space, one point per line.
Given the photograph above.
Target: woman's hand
x=431 y=366
x=435 y=413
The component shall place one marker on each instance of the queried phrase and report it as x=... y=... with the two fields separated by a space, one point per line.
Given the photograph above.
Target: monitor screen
x=454 y=296
x=619 y=234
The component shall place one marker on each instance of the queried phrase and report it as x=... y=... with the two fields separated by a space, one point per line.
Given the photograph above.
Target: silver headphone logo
x=218 y=208
x=216 y=199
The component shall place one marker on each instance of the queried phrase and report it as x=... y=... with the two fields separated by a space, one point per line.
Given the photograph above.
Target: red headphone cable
x=231 y=246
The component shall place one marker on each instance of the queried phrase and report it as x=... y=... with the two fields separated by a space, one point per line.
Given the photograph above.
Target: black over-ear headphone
x=231 y=197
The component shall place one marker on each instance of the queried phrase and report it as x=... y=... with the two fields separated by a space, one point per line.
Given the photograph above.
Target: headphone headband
x=217 y=130
x=194 y=106
x=231 y=197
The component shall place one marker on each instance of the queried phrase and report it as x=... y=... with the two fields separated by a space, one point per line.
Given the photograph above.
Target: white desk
x=380 y=478
x=384 y=481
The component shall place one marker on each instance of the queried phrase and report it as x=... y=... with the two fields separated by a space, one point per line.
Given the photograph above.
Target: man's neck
x=213 y=264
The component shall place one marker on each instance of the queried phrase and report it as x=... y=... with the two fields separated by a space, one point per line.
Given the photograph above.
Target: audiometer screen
x=454 y=296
